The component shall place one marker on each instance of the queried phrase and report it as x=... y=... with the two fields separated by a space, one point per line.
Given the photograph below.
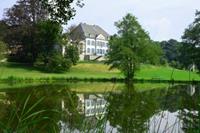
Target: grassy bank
x=92 y=70
x=83 y=87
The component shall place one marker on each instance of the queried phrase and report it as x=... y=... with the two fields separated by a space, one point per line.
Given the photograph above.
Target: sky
x=162 y=19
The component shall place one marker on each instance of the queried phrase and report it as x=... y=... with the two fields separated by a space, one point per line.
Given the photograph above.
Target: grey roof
x=84 y=30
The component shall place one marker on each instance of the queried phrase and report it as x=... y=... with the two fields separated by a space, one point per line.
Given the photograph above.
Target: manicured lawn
x=161 y=72
x=94 y=70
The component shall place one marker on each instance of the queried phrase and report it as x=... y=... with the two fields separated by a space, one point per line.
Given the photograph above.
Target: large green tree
x=191 y=43
x=23 y=19
x=49 y=56
x=130 y=47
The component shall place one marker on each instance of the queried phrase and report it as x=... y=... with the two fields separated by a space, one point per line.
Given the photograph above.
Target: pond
x=99 y=108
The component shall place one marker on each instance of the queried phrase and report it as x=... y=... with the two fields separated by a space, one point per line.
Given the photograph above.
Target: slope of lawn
x=94 y=70
x=165 y=73
x=82 y=70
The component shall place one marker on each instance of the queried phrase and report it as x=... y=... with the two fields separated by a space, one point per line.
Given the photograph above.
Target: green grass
x=85 y=87
x=93 y=70
x=164 y=73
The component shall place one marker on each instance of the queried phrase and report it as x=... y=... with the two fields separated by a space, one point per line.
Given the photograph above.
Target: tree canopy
x=171 y=52
x=61 y=10
x=34 y=32
x=130 y=47
x=191 y=43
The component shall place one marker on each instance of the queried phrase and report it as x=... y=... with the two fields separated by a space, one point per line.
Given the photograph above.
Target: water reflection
x=56 y=108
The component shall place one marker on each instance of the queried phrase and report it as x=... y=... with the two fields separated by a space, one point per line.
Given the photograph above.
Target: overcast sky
x=163 y=19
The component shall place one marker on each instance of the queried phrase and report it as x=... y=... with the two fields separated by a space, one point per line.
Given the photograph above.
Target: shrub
x=72 y=54
x=2 y=50
x=55 y=63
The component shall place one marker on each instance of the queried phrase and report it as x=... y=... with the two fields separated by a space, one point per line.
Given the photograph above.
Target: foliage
x=50 y=57
x=72 y=54
x=38 y=111
x=25 y=12
x=61 y=10
x=21 y=36
x=190 y=51
x=53 y=63
x=4 y=30
x=172 y=53
x=49 y=35
x=129 y=111
x=24 y=21
x=153 y=53
x=3 y=49
x=130 y=47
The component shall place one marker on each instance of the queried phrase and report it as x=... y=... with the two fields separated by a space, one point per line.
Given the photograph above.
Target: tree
x=4 y=30
x=191 y=43
x=130 y=47
x=49 y=56
x=2 y=50
x=61 y=10
x=23 y=18
x=25 y=12
x=72 y=54
x=171 y=49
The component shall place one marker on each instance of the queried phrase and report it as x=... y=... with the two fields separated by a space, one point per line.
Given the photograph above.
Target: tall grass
x=23 y=119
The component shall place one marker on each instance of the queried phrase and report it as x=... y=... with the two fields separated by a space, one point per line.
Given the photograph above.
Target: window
x=88 y=42
x=93 y=43
x=97 y=51
x=98 y=43
x=93 y=51
x=100 y=51
x=103 y=44
x=103 y=51
x=88 y=50
x=93 y=102
x=87 y=103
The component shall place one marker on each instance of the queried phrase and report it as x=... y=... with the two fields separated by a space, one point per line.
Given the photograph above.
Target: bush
x=163 y=62
x=55 y=63
x=2 y=50
x=72 y=54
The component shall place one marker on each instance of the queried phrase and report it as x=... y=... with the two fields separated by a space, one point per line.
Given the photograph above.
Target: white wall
x=95 y=47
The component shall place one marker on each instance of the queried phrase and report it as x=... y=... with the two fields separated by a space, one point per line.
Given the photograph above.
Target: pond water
x=100 y=107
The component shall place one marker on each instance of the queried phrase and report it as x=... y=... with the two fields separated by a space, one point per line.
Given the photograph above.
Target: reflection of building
x=191 y=90
x=92 y=105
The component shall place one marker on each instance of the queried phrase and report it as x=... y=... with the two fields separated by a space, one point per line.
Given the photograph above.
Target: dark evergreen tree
x=191 y=43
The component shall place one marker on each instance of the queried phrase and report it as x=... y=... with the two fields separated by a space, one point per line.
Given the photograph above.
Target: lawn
x=94 y=70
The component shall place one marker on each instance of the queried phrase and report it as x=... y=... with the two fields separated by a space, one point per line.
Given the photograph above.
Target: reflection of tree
x=44 y=102
x=189 y=112
x=179 y=99
x=130 y=111
x=71 y=116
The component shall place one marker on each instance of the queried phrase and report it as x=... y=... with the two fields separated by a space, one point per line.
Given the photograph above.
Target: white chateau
x=92 y=41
